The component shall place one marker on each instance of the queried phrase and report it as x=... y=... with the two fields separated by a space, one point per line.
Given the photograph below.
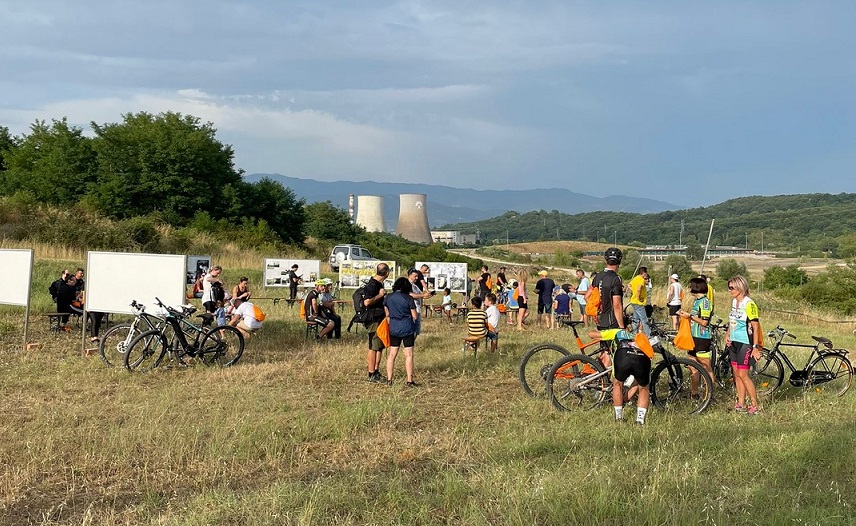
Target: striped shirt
x=477 y=323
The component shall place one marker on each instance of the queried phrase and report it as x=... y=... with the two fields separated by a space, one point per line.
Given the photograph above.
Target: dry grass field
x=294 y=434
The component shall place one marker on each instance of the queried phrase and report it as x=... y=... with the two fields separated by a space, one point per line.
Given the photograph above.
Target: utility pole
x=615 y=238
x=681 y=235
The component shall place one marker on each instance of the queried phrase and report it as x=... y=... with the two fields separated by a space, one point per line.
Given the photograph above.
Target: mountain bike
x=538 y=360
x=222 y=345
x=118 y=337
x=826 y=370
x=578 y=381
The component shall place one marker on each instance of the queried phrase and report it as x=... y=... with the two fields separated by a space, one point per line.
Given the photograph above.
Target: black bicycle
x=222 y=345
x=826 y=370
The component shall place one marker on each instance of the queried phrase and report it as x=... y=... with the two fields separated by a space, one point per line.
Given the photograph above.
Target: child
x=447 y=304
x=476 y=319
x=492 y=314
x=511 y=306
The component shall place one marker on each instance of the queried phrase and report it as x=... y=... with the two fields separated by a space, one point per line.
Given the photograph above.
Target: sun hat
x=675 y=276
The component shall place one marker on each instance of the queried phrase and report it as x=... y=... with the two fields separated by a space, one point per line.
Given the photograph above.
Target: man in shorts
x=631 y=365
x=244 y=317
x=544 y=289
x=312 y=307
x=493 y=317
x=374 y=294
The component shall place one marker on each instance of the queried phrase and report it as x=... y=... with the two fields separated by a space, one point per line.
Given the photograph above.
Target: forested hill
x=804 y=222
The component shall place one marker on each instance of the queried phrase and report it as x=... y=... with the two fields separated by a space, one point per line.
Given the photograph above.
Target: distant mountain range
x=447 y=205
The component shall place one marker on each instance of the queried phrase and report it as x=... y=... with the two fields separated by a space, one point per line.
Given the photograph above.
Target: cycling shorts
x=396 y=341
x=740 y=355
x=701 y=347
x=627 y=361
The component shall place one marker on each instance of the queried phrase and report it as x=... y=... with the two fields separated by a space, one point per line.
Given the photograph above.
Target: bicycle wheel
x=115 y=341
x=577 y=382
x=722 y=371
x=146 y=351
x=830 y=374
x=221 y=346
x=767 y=373
x=681 y=385
x=536 y=365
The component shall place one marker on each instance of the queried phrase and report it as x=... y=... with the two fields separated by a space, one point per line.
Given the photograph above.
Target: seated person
x=476 y=319
x=244 y=317
x=66 y=295
x=312 y=307
x=197 y=286
x=328 y=309
x=242 y=289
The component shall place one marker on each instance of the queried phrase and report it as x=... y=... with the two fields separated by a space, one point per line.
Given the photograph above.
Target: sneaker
x=411 y=384
x=374 y=377
x=753 y=410
x=389 y=383
x=739 y=408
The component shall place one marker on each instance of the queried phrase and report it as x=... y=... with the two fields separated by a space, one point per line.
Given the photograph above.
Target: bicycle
x=579 y=381
x=826 y=369
x=539 y=359
x=222 y=345
x=119 y=337
x=763 y=372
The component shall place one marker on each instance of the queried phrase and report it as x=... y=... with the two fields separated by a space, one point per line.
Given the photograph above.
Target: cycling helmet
x=319 y=282
x=613 y=255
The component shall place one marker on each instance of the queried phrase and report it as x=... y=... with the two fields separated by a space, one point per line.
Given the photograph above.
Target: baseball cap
x=674 y=276
x=542 y=273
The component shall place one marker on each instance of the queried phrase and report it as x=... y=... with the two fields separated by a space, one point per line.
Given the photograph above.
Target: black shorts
x=210 y=306
x=627 y=361
x=701 y=346
x=544 y=309
x=396 y=341
x=673 y=310
x=740 y=355
x=318 y=320
x=522 y=305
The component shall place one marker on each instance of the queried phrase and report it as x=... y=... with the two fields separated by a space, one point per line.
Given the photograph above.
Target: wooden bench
x=55 y=320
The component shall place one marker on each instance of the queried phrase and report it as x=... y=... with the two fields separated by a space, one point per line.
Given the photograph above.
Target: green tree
x=790 y=276
x=7 y=144
x=54 y=163
x=168 y=162
x=327 y=222
x=269 y=201
x=694 y=251
x=728 y=268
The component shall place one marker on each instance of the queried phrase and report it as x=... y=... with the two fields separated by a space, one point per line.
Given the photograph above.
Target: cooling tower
x=413 y=218
x=370 y=212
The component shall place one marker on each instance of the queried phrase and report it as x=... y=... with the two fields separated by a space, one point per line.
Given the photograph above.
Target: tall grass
x=295 y=435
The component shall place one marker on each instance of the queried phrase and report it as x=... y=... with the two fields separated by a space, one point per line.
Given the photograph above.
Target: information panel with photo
x=441 y=275
x=352 y=274
x=197 y=266
x=276 y=271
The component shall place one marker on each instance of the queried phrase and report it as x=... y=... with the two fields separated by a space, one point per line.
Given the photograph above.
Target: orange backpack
x=593 y=302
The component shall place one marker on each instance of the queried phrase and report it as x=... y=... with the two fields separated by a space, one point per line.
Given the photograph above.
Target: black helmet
x=613 y=255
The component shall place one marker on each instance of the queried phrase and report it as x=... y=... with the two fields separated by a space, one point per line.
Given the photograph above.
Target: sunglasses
x=730 y=287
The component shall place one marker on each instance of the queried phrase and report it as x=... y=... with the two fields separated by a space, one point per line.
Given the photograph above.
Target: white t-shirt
x=676 y=293
x=247 y=313
x=581 y=290
x=207 y=293
x=447 y=302
x=493 y=317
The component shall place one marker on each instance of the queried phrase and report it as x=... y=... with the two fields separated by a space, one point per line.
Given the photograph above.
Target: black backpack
x=218 y=293
x=54 y=288
x=363 y=314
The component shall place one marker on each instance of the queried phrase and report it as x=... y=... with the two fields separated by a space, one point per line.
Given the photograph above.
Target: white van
x=347 y=253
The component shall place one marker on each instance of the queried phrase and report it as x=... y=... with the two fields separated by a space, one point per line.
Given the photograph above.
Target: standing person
x=484 y=282
x=743 y=339
x=673 y=298
x=424 y=278
x=418 y=294
x=244 y=317
x=447 y=304
x=293 y=281
x=493 y=316
x=374 y=293
x=522 y=303
x=638 y=298
x=631 y=365
x=699 y=316
x=502 y=283
x=210 y=296
x=402 y=312
x=582 y=288
x=242 y=289
x=312 y=308
x=649 y=309
x=544 y=289
x=512 y=307
x=328 y=309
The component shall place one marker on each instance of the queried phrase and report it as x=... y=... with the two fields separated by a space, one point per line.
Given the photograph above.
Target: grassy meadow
x=294 y=434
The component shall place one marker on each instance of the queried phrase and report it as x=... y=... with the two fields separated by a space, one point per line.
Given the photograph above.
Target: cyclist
x=743 y=339
x=699 y=315
x=632 y=366
x=314 y=314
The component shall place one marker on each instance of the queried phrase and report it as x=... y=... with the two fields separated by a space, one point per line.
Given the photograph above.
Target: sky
x=691 y=103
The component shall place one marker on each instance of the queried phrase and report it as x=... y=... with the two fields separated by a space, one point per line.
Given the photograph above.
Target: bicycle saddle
x=572 y=323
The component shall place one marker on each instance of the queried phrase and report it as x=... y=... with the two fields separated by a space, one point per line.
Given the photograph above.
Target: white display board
x=115 y=279
x=276 y=271
x=352 y=274
x=197 y=265
x=442 y=275
x=15 y=277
